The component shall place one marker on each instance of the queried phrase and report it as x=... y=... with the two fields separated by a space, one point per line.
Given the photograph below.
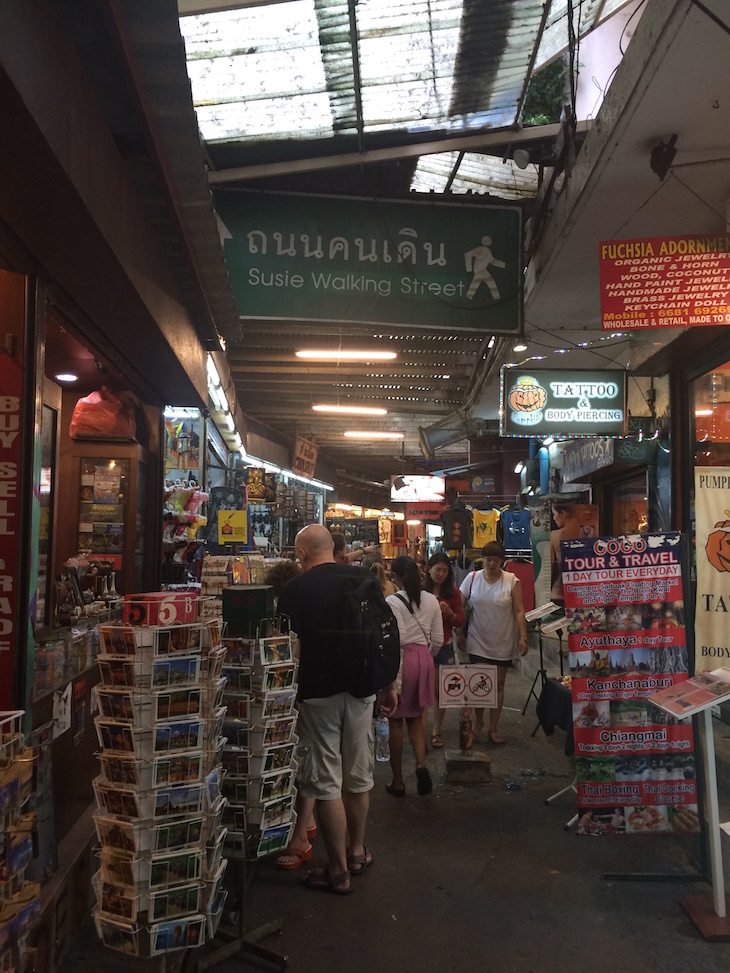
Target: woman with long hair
x=421 y=633
x=440 y=582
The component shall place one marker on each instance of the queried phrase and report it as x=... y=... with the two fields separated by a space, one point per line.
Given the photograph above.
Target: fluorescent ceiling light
x=698 y=412
x=66 y=377
x=350 y=410
x=213 y=375
x=230 y=422
x=325 y=354
x=413 y=523
x=520 y=467
x=362 y=434
x=491 y=342
x=520 y=346
x=548 y=441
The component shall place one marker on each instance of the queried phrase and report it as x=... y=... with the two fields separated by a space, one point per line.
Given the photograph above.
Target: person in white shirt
x=497 y=630
x=421 y=630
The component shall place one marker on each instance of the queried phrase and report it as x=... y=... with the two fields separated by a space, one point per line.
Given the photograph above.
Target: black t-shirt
x=457 y=528
x=313 y=603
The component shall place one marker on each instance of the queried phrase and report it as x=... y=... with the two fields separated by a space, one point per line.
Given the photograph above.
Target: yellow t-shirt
x=485 y=526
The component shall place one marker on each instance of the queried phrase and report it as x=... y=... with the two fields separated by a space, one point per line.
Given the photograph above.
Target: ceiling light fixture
x=363 y=434
x=698 y=412
x=520 y=346
x=491 y=342
x=521 y=158
x=350 y=410
x=520 y=467
x=548 y=441
x=67 y=377
x=338 y=354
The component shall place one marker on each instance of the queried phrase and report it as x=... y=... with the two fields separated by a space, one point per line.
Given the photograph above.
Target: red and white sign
x=305 y=458
x=160 y=608
x=472 y=685
x=11 y=383
x=624 y=603
x=664 y=282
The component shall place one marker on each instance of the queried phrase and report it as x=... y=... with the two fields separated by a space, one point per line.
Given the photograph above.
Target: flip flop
x=358 y=863
x=312 y=832
x=395 y=791
x=437 y=742
x=321 y=880
x=290 y=859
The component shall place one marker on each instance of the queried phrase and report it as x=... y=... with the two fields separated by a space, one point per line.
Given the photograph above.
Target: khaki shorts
x=335 y=748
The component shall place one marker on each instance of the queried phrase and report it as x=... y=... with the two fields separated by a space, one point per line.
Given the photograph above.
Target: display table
x=555 y=708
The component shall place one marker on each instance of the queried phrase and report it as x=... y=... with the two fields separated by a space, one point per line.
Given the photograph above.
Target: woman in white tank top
x=497 y=626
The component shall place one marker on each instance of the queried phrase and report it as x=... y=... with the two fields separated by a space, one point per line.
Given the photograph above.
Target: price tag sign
x=472 y=685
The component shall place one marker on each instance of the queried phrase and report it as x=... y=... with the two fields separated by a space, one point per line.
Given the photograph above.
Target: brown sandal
x=358 y=863
x=322 y=880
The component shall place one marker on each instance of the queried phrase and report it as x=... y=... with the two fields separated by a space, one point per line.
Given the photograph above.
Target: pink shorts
x=418 y=681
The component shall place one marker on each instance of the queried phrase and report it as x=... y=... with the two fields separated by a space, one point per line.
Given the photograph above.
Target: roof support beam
x=493 y=138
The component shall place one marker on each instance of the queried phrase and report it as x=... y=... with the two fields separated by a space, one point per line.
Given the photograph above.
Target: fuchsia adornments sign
x=664 y=282
x=11 y=384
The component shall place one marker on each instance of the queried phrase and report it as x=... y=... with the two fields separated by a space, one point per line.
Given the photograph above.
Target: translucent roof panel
x=257 y=73
x=477 y=173
x=555 y=36
x=290 y=70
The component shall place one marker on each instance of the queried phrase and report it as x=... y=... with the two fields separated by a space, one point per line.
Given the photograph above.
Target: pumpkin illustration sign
x=552 y=402
x=718 y=545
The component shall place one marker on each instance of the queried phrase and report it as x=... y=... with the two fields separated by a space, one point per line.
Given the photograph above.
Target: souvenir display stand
x=19 y=899
x=544 y=628
x=698 y=697
x=258 y=755
x=159 y=887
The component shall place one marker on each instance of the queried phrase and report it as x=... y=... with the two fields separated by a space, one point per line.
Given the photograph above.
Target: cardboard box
x=160 y=608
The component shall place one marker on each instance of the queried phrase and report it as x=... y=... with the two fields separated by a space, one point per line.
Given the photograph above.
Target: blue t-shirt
x=516 y=524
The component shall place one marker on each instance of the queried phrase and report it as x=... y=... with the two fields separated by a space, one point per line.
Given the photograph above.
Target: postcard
x=179 y=934
x=182 y=735
x=169 y=870
x=278 y=677
x=236 y=732
x=239 y=652
x=278 y=812
x=235 y=791
x=115 y=800
x=278 y=731
x=116 y=868
x=235 y=762
x=277 y=758
x=276 y=786
x=237 y=706
x=180 y=702
x=117 y=640
x=273 y=839
x=279 y=703
x=176 y=801
x=116 y=704
x=120 y=770
x=175 y=671
x=115 y=673
x=177 y=834
x=116 y=737
x=276 y=650
x=117 y=902
x=179 y=901
x=115 y=935
x=182 y=768
x=183 y=639
x=237 y=680
x=118 y=835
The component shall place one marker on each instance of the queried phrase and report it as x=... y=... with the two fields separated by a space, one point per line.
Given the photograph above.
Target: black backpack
x=369 y=652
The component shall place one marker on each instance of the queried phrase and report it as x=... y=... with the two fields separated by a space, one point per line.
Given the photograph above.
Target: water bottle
x=382 y=738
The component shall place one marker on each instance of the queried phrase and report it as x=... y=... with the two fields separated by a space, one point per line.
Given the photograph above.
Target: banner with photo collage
x=635 y=765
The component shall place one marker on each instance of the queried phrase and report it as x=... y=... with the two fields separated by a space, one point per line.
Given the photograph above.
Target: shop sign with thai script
x=11 y=384
x=305 y=458
x=664 y=282
x=326 y=258
x=560 y=402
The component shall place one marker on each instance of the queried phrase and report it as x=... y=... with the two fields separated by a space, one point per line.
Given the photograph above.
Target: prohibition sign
x=454 y=685
x=480 y=684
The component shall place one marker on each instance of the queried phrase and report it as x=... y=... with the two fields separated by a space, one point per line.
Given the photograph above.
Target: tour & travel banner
x=712 y=545
x=635 y=764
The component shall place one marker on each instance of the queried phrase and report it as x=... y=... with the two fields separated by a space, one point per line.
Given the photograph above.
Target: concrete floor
x=474 y=878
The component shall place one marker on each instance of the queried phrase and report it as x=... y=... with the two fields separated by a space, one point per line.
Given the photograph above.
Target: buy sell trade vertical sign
x=635 y=765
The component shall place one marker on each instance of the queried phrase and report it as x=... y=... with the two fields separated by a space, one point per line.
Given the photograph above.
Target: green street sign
x=366 y=261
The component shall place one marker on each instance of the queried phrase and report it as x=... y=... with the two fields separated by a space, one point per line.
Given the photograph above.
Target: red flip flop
x=290 y=859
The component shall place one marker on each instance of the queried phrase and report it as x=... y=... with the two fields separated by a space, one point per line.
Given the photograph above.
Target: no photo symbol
x=467 y=685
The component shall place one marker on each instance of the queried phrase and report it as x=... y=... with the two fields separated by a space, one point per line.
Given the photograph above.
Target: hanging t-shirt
x=457 y=528
x=516 y=525
x=525 y=572
x=485 y=526
x=385 y=531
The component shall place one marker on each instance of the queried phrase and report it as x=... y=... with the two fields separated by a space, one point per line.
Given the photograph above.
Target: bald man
x=334 y=727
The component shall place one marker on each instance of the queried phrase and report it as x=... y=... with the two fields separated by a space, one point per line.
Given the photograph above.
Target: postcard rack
x=159 y=817
x=19 y=898
x=259 y=729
